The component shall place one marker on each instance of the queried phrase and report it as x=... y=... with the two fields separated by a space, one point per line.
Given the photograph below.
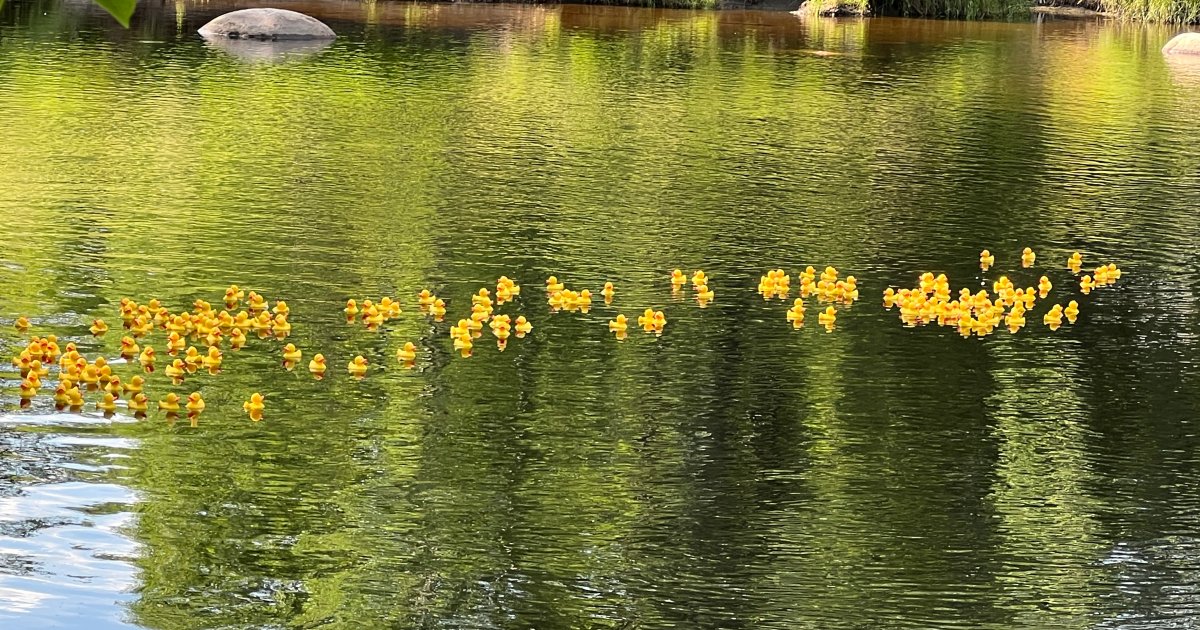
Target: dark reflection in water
x=733 y=473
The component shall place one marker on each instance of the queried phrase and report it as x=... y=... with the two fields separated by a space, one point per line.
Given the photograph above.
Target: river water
x=732 y=473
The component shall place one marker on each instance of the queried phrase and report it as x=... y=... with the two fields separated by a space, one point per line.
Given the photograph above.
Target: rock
x=1183 y=44
x=266 y=24
x=830 y=8
x=1071 y=12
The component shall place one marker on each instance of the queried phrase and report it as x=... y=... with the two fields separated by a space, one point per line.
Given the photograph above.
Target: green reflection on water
x=733 y=473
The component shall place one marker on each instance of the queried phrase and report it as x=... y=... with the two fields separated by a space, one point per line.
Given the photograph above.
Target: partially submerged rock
x=831 y=8
x=1183 y=44
x=267 y=24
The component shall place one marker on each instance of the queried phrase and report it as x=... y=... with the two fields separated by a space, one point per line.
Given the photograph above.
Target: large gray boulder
x=1183 y=44
x=266 y=24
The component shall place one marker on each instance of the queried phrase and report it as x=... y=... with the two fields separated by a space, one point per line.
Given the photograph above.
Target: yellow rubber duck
x=678 y=279
x=74 y=398
x=255 y=406
x=317 y=365
x=425 y=298
x=1027 y=257
x=175 y=343
x=372 y=317
x=1071 y=311
x=214 y=337
x=256 y=302
x=1044 y=286
x=1075 y=262
x=21 y=324
x=358 y=366
x=552 y=284
x=584 y=299
x=129 y=347
x=986 y=259
x=438 y=310
x=192 y=356
x=620 y=324
x=281 y=308
x=522 y=326
x=135 y=384
x=463 y=344
x=237 y=338
x=889 y=297
x=29 y=388
x=659 y=322
x=61 y=395
x=98 y=327
x=107 y=403
x=170 y=403
x=114 y=386
x=1114 y=272
x=233 y=295
x=195 y=404
x=176 y=369
x=646 y=319
x=139 y=403
x=827 y=316
x=351 y=308
x=1086 y=284
x=408 y=353
x=280 y=325
x=291 y=353
x=703 y=293
x=608 y=291
x=699 y=279
x=212 y=360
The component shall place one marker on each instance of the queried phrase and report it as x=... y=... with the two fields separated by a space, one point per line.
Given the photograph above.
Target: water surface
x=733 y=473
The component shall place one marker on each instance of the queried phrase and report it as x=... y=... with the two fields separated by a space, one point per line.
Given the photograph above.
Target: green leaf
x=119 y=9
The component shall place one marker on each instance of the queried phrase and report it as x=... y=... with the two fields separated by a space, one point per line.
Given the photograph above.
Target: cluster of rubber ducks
x=826 y=288
x=980 y=313
x=77 y=374
x=704 y=295
x=502 y=326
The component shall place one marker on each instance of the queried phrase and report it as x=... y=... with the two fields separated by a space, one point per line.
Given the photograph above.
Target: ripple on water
x=66 y=557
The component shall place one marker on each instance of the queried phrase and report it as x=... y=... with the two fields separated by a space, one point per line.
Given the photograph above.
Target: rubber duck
x=1114 y=272
x=108 y=403
x=129 y=347
x=192 y=356
x=29 y=388
x=659 y=321
x=608 y=291
x=678 y=279
x=90 y=374
x=408 y=353
x=1075 y=262
x=233 y=295
x=175 y=343
x=74 y=398
x=795 y=314
x=583 y=301
x=425 y=299
x=372 y=317
x=1053 y=318
x=464 y=345
x=135 y=384
x=256 y=302
x=703 y=293
x=390 y=308
x=176 y=370
x=139 y=403
x=61 y=395
x=986 y=259
x=646 y=319
x=21 y=324
x=1071 y=311
x=114 y=386
x=237 y=338
x=889 y=297
x=699 y=279
x=358 y=366
x=213 y=338
x=104 y=374
x=1027 y=257
x=619 y=324
x=212 y=360
x=552 y=284
x=828 y=316
x=1044 y=286
x=262 y=321
x=255 y=406
x=522 y=326
x=291 y=353
x=317 y=365
x=281 y=308
x=195 y=404
x=1086 y=284
x=98 y=327
x=280 y=325
x=170 y=403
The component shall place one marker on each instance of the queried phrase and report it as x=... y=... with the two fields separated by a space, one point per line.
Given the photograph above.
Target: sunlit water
x=733 y=473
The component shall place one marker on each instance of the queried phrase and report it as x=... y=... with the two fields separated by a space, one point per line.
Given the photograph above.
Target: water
x=733 y=473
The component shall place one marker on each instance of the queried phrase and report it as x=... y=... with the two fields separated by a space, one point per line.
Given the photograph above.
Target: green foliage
x=121 y=10
x=1173 y=11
